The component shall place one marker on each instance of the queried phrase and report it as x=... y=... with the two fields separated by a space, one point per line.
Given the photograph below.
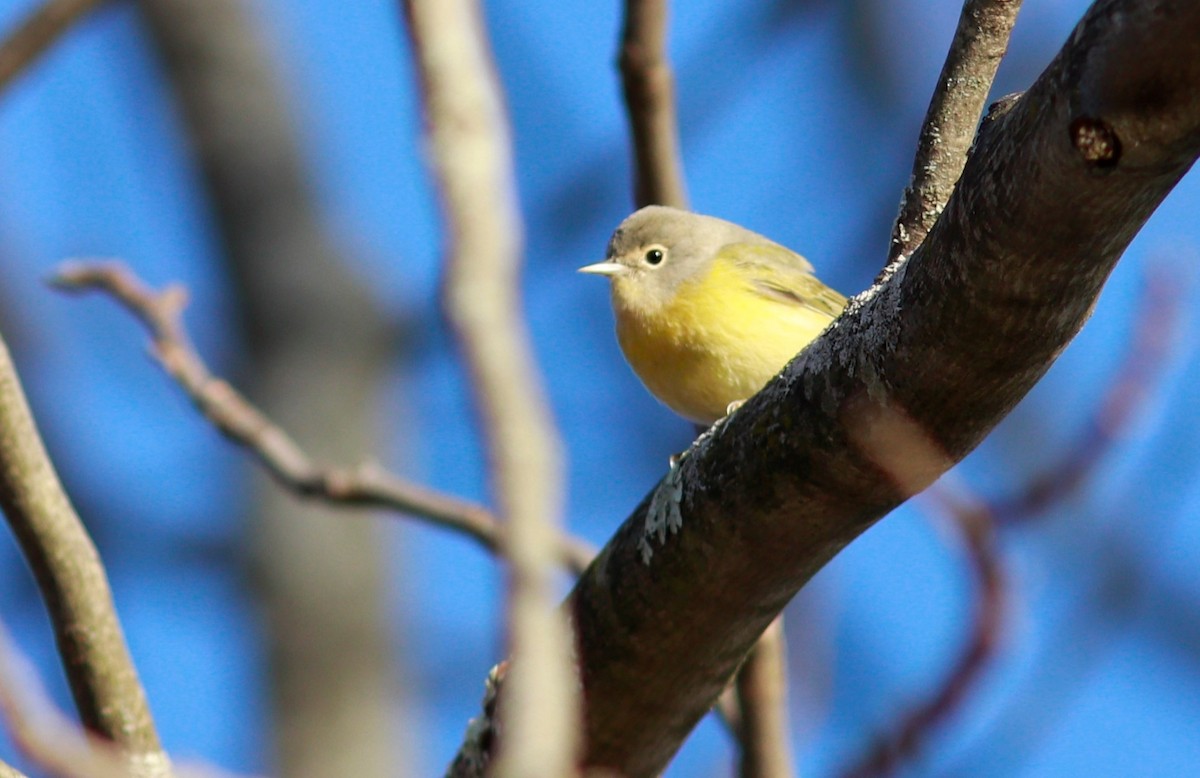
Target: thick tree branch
x=650 y=96
x=910 y=379
x=73 y=583
x=232 y=414
x=37 y=32
x=472 y=159
x=962 y=89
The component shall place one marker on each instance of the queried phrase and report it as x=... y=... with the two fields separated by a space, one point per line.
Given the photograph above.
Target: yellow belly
x=707 y=349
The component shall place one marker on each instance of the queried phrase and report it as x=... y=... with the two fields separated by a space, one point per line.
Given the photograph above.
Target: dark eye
x=655 y=256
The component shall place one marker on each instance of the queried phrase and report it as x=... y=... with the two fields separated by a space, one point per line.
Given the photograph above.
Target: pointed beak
x=605 y=268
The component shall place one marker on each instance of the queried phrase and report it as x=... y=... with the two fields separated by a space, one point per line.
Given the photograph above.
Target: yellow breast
x=716 y=342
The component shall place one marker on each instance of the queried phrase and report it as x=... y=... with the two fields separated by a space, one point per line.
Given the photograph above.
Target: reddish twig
x=37 y=32
x=977 y=528
x=368 y=485
x=649 y=88
x=1157 y=321
x=650 y=97
x=962 y=89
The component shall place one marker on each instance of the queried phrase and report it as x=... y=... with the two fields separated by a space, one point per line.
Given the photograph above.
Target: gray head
x=657 y=248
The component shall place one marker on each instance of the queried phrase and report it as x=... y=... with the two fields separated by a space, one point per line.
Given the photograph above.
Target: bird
x=708 y=311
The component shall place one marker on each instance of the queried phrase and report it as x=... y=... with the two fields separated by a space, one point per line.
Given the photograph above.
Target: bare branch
x=762 y=691
x=650 y=97
x=472 y=159
x=37 y=32
x=368 y=485
x=908 y=381
x=979 y=44
x=73 y=583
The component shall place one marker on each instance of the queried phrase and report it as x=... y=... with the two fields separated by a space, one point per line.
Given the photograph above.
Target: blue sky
x=798 y=120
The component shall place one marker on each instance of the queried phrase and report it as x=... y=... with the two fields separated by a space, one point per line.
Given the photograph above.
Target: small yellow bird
x=707 y=312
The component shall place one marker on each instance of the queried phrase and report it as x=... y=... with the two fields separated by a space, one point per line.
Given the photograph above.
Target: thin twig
x=729 y=710
x=72 y=581
x=762 y=691
x=37 y=32
x=367 y=485
x=1156 y=324
x=472 y=159
x=979 y=44
x=650 y=97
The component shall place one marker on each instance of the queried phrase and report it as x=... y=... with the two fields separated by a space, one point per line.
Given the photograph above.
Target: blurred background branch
x=649 y=90
x=316 y=350
x=40 y=28
x=1156 y=324
x=762 y=683
x=53 y=742
x=59 y=746
x=889 y=752
x=472 y=161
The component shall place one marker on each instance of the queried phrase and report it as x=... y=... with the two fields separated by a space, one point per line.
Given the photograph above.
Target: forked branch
x=979 y=44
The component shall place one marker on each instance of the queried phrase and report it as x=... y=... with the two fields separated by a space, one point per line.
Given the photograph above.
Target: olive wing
x=783 y=275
